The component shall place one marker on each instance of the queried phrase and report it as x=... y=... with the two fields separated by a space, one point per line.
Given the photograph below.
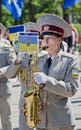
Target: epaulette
x=42 y=53
x=69 y=55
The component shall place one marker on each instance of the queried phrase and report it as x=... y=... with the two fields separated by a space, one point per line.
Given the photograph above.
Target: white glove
x=40 y=77
x=21 y=55
x=19 y=58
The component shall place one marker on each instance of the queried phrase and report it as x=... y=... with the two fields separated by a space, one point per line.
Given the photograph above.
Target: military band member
x=59 y=77
x=58 y=71
x=22 y=63
x=6 y=58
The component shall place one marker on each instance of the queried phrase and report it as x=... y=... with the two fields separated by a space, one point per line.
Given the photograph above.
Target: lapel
x=56 y=61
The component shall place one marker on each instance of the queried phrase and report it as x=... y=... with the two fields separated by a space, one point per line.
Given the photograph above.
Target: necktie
x=47 y=65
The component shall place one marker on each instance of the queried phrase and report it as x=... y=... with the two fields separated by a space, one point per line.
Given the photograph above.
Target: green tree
x=32 y=9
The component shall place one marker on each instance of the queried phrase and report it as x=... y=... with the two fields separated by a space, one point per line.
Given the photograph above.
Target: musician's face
x=52 y=43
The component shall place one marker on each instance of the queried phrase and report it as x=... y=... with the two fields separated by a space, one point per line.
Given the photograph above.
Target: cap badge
x=46 y=27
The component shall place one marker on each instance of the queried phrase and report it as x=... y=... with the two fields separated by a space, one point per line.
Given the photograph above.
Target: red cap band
x=52 y=28
x=32 y=31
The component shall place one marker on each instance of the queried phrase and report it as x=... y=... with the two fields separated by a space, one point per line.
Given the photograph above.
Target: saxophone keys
x=25 y=106
x=25 y=113
x=25 y=110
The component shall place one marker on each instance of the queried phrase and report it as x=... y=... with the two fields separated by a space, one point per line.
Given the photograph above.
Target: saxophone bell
x=31 y=108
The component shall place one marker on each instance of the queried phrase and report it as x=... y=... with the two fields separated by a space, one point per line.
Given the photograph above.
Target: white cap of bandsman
x=31 y=27
x=2 y=29
x=50 y=24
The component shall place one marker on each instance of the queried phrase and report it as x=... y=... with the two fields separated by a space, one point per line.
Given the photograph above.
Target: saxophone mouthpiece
x=45 y=47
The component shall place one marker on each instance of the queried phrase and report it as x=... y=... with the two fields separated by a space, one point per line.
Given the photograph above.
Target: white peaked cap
x=31 y=27
x=53 y=23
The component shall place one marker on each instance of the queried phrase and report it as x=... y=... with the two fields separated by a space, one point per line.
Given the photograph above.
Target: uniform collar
x=58 y=55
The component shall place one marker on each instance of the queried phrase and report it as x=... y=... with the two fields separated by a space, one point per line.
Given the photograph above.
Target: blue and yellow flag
x=28 y=41
x=14 y=35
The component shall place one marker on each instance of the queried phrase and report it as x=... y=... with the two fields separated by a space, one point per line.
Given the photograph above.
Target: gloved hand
x=21 y=55
x=40 y=77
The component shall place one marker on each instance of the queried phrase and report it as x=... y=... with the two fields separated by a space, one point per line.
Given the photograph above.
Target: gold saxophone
x=32 y=96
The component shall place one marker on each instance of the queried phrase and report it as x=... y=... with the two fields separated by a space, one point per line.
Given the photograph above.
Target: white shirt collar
x=51 y=57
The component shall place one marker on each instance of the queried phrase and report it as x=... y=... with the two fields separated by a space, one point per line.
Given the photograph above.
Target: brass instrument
x=5 y=50
x=32 y=96
x=21 y=73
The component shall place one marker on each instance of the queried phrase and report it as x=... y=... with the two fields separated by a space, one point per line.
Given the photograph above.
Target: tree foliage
x=32 y=9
